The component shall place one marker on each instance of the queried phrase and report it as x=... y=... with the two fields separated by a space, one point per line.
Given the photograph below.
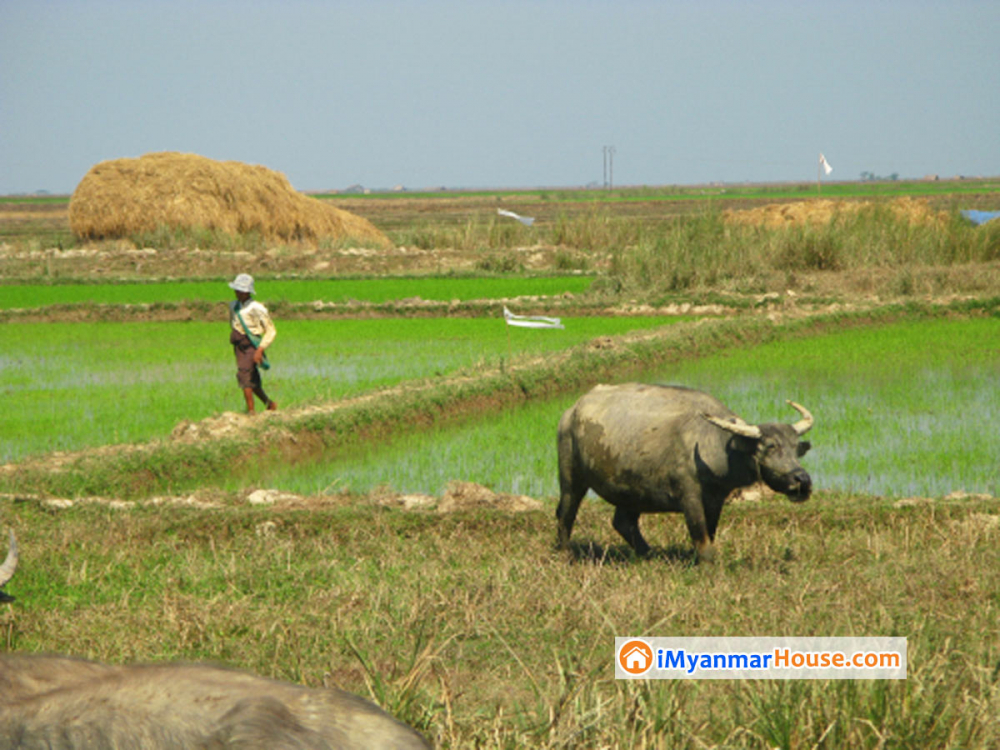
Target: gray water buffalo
x=63 y=703
x=663 y=449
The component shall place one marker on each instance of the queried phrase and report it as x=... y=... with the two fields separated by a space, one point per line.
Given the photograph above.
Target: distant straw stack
x=819 y=212
x=122 y=197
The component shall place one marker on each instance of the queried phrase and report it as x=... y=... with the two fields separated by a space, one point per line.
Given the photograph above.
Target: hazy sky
x=484 y=93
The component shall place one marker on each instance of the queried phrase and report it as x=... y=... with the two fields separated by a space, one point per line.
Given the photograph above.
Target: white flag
x=530 y=321
x=825 y=164
x=526 y=220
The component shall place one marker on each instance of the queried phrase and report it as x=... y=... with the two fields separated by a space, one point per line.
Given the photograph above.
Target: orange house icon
x=635 y=657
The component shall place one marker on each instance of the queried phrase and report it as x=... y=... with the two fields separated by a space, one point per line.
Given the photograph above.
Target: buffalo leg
x=571 y=487
x=569 y=504
x=713 y=509
x=626 y=523
x=701 y=528
x=570 y=495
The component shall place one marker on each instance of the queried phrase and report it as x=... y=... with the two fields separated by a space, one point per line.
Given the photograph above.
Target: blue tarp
x=980 y=217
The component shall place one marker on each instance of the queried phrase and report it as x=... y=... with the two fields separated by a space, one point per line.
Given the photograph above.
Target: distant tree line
x=871 y=176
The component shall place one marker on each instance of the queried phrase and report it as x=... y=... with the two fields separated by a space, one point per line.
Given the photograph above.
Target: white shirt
x=257 y=318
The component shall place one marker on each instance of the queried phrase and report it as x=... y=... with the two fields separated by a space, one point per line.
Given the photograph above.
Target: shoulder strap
x=253 y=339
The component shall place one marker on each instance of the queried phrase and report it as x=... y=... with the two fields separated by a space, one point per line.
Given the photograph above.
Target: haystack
x=819 y=212
x=121 y=197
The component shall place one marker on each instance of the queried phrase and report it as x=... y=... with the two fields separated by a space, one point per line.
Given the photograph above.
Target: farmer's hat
x=242 y=283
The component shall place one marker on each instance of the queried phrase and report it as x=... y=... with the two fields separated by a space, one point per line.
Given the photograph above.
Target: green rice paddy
x=67 y=386
x=284 y=290
x=901 y=410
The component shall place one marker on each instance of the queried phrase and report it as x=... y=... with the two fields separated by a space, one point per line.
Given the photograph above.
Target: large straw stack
x=121 y=197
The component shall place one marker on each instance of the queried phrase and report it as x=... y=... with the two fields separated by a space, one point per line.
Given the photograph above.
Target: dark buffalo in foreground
x=63 y=703
x=668 y=449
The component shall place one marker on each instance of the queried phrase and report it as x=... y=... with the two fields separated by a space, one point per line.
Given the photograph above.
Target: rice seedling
x=899 y=411
x=70 y=386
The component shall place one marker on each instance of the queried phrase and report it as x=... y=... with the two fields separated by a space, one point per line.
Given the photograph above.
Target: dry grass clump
x=122 y=197
x=822 y=211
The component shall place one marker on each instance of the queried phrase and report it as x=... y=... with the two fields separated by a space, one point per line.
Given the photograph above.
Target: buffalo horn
x=737 y=428
x=9 y=564
x=803 y=425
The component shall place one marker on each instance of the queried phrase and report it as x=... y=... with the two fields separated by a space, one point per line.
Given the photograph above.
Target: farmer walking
x=251 y=331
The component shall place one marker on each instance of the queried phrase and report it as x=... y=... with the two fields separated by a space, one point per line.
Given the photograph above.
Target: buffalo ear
x=744 y=444
x=804 y=446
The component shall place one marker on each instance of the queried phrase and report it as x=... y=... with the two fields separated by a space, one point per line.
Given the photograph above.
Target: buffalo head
x=776 y=450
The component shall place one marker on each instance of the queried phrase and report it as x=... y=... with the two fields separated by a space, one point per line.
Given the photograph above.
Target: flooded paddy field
x=900 y=410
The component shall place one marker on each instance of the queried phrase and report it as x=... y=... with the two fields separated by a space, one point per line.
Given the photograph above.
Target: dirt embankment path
x=120 y=260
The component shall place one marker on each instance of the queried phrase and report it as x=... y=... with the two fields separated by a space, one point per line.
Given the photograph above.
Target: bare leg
x=248 y=397
x=271 y=405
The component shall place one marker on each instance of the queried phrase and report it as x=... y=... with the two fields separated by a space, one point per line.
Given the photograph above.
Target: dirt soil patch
x=120 y=260
x=459 y=496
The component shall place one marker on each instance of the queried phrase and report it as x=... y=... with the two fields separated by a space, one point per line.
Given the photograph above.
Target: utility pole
x=604 y=151
x=611 y=167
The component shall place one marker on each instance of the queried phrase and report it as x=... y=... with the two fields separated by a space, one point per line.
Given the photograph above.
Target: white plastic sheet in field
x=526 y=220
x=530 y=321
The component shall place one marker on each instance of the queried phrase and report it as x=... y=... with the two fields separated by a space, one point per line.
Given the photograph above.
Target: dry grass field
x=472 y=628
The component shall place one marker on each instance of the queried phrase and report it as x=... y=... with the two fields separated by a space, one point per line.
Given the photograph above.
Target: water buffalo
x=63 y=703
x=657 y=449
